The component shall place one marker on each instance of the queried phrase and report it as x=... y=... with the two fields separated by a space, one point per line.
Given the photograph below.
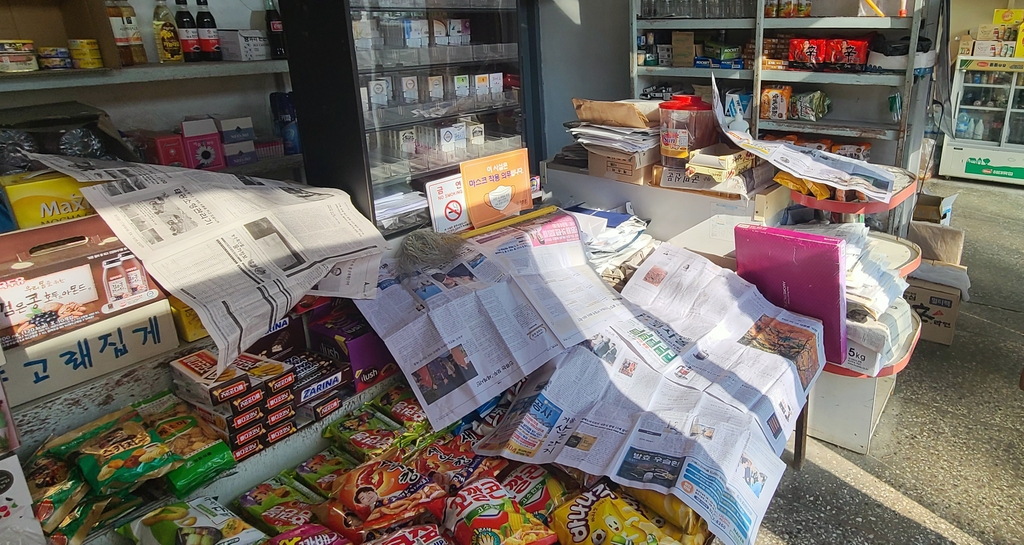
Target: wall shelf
x=60 y=79
x=838 y=78
x=695 y=24
x=870 y=23
x=720 y=73
x=851 y=129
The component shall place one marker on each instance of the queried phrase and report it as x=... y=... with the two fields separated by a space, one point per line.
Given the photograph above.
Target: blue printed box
x=235 y=129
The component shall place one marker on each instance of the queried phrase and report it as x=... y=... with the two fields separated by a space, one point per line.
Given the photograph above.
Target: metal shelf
x=989 y=85
x=984 y=108
x=871 y=23
x=838 y=78
x=406 y=68
x=60 y=79
x=851 y=129
x=696 y=24
x=720 y=73
x=270 y=164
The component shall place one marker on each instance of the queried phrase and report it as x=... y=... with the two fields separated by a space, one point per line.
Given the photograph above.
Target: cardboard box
x=53 y=22
x=966 y=45
x=85 y=275
x=161 y=148
x=279 y=399
x=989 y=32
x=321 y=408
x=196 y=375
x=247 y=451
x=279 y=433
x=18 y=521
x=938 y=307
x=345 y=335
x=683 y=51
x=1008 y=17
x=41 y=198
x=236 y=440
x=934 y=209
x=281 y=415
x=720 y=162
x=220 y=417
x=987 y=48
x=68 y=359
x=632 y=168
x=244 y=45
x=235 y=129
x=186 y=321
x=274 y=375
x=203 y=148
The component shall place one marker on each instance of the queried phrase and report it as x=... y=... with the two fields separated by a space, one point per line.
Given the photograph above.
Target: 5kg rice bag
x=309 y=534
x=201 y=521
x=123 y=456
x=421 y=534
x=277 y=505
x=451 y=467
x=598 y=516
x=320 y=471
x=483 y=513
x=536 y=489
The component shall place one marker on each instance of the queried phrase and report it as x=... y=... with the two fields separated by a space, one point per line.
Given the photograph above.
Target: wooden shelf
x=696 y=24
x=60 y=79
x=838 y=78
x=868 y=23
x=873 y=207
x=851 y=129
x=720 y=73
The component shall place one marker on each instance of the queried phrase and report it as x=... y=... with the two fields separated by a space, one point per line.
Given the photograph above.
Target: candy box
x=62 y=277
x=201 y=520
x=279 y=433
x=247 y=450
x=323 y=407
x=284 y=338
x=280 y=399
x=237 y=439
x=222 y=418
x=41 y=198
x=283 y=414
x=807 y=53
x=345 y=335
x=316 y=376
x=196 y=379
x=278 y=505
x=275 y=376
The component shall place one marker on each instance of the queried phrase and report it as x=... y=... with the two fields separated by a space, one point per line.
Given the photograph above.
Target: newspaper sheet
x=241 y=251
x=823 y=167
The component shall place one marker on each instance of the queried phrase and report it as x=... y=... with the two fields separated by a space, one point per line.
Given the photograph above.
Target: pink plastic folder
x=800 y=272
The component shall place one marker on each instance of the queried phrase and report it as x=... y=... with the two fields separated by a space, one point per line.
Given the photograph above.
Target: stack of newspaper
x=398 y=204
x=625 y=139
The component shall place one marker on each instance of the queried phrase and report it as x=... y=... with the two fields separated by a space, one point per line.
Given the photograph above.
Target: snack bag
x=336 y=516
x=820 y=144
x=76 y=526
x=320 y=471
x=276 y=506
x=448 y=465
x=381 y=489
x=63 y=446
x=803 y=186
x=309 y=534
x=671 y=530
x=204 y=454
x=123 y=456
x=861 y=151
x=56 y=488
x=599 y=516
x=365 y=433
x=810 y=106
x=400 y=403
x=421 y=534
x=674 y=511
x=201 y=521
x=775 y=102
x=483 y=513
x=536 y=489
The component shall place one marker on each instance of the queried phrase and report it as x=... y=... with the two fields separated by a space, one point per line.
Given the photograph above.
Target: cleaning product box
x=40 y=198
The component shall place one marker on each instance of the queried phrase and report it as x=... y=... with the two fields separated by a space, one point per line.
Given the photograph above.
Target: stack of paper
x=399 y=204
x=624 y=139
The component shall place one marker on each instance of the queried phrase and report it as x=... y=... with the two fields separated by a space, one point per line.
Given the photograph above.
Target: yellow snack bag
x=671 y=530
x=675 y=512
x=599 y=516
x=805 y=187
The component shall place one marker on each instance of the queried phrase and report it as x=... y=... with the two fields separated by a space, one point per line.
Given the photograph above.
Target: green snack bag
x=124 y=456
x=320 y=471
x=364 y=433
x=76 y=526
x=204 y=454
x=278 y=505
x=201 y=521
x=56 y=488
x=117 y=505
x=400 y=403
x=63 y=446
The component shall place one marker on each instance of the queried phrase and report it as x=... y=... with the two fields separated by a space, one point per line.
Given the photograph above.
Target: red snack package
x=451 y=466
x=422 y=534
x=807 y=53
x=340 y=518
x=847 y=54
x=383 y=488
x=483 y=513
x=537 y=490
x=309 y=534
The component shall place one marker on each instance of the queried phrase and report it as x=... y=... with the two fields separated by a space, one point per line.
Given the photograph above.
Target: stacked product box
x=345 y=335
x=239 y=140
x=255 y=402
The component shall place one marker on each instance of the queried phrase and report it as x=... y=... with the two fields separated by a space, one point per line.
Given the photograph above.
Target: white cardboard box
x=244 y=45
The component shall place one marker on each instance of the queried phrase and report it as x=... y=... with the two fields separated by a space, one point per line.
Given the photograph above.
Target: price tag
x=676 y=177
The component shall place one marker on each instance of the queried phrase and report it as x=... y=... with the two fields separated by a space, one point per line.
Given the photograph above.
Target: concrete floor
x=947 y=460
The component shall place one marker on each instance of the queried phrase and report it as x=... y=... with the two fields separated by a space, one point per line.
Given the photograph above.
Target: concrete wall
x=584 y=52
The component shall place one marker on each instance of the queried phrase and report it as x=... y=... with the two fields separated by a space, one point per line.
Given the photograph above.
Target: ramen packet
x=56 y=488
x=421 y=534
x=599 y=515
x=309 y=534
x=278 y=505
x=382 y=489
x=451 y=466
x=399 y=402
x=204 y=454
x=483 y=513
x=80 y=521
x=365 y=433
x=320 y=471
x=123 y=456
x=199 y=521
x=536 y=489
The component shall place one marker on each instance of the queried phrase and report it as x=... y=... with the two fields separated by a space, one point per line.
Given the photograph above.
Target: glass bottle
x=131 y=27
x=124 y=45
x=165 y=33
x=209 y=40
x=188 y=32
x=699 y=9
x=275 y=32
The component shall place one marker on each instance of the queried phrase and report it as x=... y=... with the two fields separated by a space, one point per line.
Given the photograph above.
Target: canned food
x=83 y=44
x=88 y=63
x=17 y=45
x=85 y=54
x=54 y=53
x=55 y=64
x=18 y=62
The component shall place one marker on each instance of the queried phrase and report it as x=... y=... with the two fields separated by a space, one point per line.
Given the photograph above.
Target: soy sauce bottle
x=188 y=32
x=209 y=40
x=275 y=32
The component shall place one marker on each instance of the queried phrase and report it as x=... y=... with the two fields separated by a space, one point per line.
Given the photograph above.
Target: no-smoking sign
x=453 y=210
x=447 y=204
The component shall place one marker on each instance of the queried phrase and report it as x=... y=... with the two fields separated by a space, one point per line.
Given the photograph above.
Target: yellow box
x=43 y=198
x=186 y=321
x=1011 y=17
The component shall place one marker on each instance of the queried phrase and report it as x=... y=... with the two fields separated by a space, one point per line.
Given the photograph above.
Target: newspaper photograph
x=818 y=166
x=262 y=243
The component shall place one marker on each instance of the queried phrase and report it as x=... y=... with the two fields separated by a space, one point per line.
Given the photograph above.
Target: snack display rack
x=851 y=117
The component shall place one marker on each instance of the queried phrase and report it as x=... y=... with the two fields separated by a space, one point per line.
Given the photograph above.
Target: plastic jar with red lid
x=687 y=124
